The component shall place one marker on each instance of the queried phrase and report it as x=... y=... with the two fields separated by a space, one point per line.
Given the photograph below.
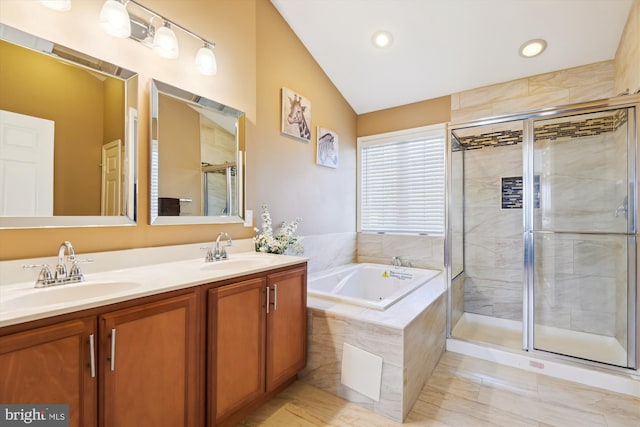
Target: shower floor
x=508 y=333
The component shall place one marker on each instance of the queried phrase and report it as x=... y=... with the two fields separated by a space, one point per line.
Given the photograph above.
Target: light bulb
x=206 y=61
x=114 y=19
x=165 y=43
x=60 y=5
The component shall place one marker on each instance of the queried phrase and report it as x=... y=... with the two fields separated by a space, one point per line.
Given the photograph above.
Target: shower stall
x=542 y=232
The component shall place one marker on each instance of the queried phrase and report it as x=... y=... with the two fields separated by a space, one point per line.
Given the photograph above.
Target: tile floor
x=463 y=391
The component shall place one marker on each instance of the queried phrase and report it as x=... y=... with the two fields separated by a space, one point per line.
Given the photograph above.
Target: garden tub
x=369 y=285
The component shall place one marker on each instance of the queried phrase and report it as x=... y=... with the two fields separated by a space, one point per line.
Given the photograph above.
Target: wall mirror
x=68 y=136
x=197 y=159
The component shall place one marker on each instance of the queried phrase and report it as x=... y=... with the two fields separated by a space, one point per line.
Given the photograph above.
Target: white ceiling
x=442 y=47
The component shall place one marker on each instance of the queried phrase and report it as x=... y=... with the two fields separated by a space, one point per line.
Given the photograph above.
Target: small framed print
x=327 y=153
x=296 y=115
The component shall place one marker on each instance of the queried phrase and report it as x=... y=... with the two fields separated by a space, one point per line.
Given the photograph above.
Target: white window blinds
x=402 y=182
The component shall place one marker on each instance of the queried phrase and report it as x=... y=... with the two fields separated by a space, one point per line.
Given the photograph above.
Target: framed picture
x=327 y=148
x=296 y=115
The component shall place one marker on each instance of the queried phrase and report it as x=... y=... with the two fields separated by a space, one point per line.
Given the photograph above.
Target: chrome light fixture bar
x=165 y=43
x=116 y=21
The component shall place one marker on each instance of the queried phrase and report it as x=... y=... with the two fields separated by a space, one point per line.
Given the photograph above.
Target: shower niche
x=542 y=232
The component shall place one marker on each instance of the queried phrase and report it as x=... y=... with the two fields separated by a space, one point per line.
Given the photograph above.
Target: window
x=401 y=182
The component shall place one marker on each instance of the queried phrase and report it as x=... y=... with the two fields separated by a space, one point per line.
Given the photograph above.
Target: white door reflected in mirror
x=26 y=164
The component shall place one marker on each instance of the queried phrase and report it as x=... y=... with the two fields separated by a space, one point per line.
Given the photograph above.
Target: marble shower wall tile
x=585 y=83
x=329 y=250
x=627 y=60
x=420 y=251
x=457 y=298
x=409 y=355
x=424 y=341
x=493 y=298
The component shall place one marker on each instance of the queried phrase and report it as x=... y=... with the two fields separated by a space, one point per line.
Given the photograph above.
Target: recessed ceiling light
x=533 y=48
x=382 y=39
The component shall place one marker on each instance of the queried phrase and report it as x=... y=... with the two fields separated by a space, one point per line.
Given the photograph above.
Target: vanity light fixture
x=114 y=19
x=206 y=60
x=60 y=5
x=165 y=43
x=382 y=39
x=532 y=48
x=164 y=38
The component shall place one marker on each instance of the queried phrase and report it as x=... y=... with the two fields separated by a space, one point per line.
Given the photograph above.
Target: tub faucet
x=396 y=261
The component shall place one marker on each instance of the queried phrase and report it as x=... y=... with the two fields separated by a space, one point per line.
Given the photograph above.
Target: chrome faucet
x=219 y=253
x=61 y=268
x=61 y=273
x=396 y=261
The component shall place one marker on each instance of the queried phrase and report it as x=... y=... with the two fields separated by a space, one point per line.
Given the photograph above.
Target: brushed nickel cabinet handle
x=92 y=355
x=275 y=297
x=113 y=349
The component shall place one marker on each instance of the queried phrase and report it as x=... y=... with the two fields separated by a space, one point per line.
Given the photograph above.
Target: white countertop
x=21 y=302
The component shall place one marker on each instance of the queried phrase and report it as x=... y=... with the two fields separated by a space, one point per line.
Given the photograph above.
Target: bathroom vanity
x=193 y=344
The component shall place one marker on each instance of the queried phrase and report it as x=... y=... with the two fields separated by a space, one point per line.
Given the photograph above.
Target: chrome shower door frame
x=528 y=118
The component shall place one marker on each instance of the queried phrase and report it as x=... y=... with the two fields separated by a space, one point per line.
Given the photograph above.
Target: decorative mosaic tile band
x=512 y=192
x=552 y=131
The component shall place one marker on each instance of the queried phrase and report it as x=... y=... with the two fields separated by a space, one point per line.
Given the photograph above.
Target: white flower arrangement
x=280 y=242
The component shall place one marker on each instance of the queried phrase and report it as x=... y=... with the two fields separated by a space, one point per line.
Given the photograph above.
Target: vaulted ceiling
x=442 y=47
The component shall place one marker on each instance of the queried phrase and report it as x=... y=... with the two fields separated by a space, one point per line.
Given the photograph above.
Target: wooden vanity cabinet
x=151 y=382
x=286 y=326
x=256 y=342
x=52 y=365
x=143 y=363
x=237 y=328
x=148 y=355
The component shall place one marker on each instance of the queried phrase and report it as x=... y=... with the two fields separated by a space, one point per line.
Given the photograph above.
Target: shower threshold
x=508 y=333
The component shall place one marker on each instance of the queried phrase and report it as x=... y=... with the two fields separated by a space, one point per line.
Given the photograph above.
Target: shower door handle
x=623 y=208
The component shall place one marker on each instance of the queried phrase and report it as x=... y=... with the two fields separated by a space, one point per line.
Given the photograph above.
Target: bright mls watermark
x=34 y=415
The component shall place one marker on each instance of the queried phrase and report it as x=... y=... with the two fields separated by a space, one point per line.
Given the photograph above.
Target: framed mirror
x=68 y=136
x=197 y=159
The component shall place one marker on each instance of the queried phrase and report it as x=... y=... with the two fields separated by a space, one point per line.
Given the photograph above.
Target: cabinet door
x=236 y=347
x=149 y=360
x=52 y=365
x=286 y=326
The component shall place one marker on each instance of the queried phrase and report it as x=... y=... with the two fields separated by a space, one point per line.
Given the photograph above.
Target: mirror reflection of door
x=111 y=178
x=26 y=165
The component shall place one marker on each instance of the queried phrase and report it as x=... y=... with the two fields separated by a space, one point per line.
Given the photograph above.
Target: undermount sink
x=237 y=263
x=38 y=297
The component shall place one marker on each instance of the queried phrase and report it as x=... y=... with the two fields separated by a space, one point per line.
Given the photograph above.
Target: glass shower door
x=580 y=191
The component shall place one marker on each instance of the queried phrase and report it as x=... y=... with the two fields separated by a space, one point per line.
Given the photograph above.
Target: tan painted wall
x=113 y=126
x=256 y=57
x=424 y=113
x=288 y=179
x=627 y=60
x=179 y=153
x=230 y=24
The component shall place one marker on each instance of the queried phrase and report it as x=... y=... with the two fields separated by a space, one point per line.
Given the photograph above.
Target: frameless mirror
x=68 y=136
x=197 y=161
